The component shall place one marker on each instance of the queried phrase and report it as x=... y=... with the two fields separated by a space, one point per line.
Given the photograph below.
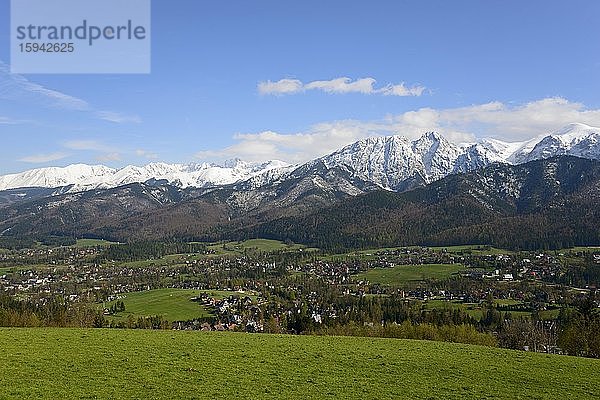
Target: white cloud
x=88 y=145
x=43 y=158
x=105 y=153
x=9 y=121
x=15 y=87
x=402 y=90
x=339 y=86
x=118 y=118
x=500 y=120
x=283 y=86
x=344 y=85
x=459 y=125
x=109 y=157
x=146 y=154
x=317 y=141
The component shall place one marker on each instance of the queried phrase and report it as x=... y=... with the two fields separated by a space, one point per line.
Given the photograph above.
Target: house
x=205 y=327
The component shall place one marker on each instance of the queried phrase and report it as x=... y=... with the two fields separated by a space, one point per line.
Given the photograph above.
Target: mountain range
x=378 y=191
x=82 y=177
x=550 y=203
x=393 y=163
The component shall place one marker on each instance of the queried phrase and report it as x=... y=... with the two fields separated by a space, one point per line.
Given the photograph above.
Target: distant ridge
x=392 y=163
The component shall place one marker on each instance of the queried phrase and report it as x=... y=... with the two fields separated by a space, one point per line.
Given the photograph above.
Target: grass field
x=17 y=268
x=401 y=274
x=372 y=253
x=473 y=249
x=476 y=310
x=92 y=243
x=581 y=249
x=6 y=270
x=113 y=364
x=172 y=304
x=264 y=245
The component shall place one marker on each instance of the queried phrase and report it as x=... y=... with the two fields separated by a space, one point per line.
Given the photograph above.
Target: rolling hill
x=76 y=363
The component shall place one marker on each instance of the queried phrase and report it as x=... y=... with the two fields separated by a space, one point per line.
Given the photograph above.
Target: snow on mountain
x=502 y=151
x=84 y=177
x=577 y=140
x=393 y=163
x=57 y=177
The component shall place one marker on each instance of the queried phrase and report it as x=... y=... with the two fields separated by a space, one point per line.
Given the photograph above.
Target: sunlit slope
x=71 y=363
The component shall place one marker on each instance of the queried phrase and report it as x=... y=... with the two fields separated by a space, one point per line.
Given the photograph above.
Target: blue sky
x=263 y=79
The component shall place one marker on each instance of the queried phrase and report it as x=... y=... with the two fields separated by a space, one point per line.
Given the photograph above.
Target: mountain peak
x=575 y=139
x=433 y=135
x=86 y=177
x=392 y=162
x=233 y=163
x=575 y=126
x=574 y=133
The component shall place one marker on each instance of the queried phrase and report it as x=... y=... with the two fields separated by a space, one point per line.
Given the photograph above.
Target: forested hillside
x=544 y=204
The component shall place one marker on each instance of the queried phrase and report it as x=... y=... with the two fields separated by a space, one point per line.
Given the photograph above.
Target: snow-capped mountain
x=85 y=177
x=207 y=201
x=577 y=140
x=53 y=177
x=393 y=162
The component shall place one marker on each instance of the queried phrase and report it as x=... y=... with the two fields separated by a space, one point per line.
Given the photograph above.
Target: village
x=307 y=284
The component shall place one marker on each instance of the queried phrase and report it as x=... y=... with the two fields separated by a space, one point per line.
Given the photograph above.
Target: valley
x=264 y=286
x=300 y=200
x=374 y=243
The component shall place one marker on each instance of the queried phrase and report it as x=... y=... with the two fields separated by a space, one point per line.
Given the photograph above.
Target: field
x=87 y=364
x=402 y=274
x=476 y=311
x=232 y=249
x=472 y=249
x=581 y=249
x=5 y=270
x=262 y=245
x=172 y=304
x=92 y=243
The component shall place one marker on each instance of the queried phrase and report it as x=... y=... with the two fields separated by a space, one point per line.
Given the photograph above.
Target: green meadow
x=401 y=274
x=171 y=304
x=93 y=243
x=128 y=364
x=253 y=245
